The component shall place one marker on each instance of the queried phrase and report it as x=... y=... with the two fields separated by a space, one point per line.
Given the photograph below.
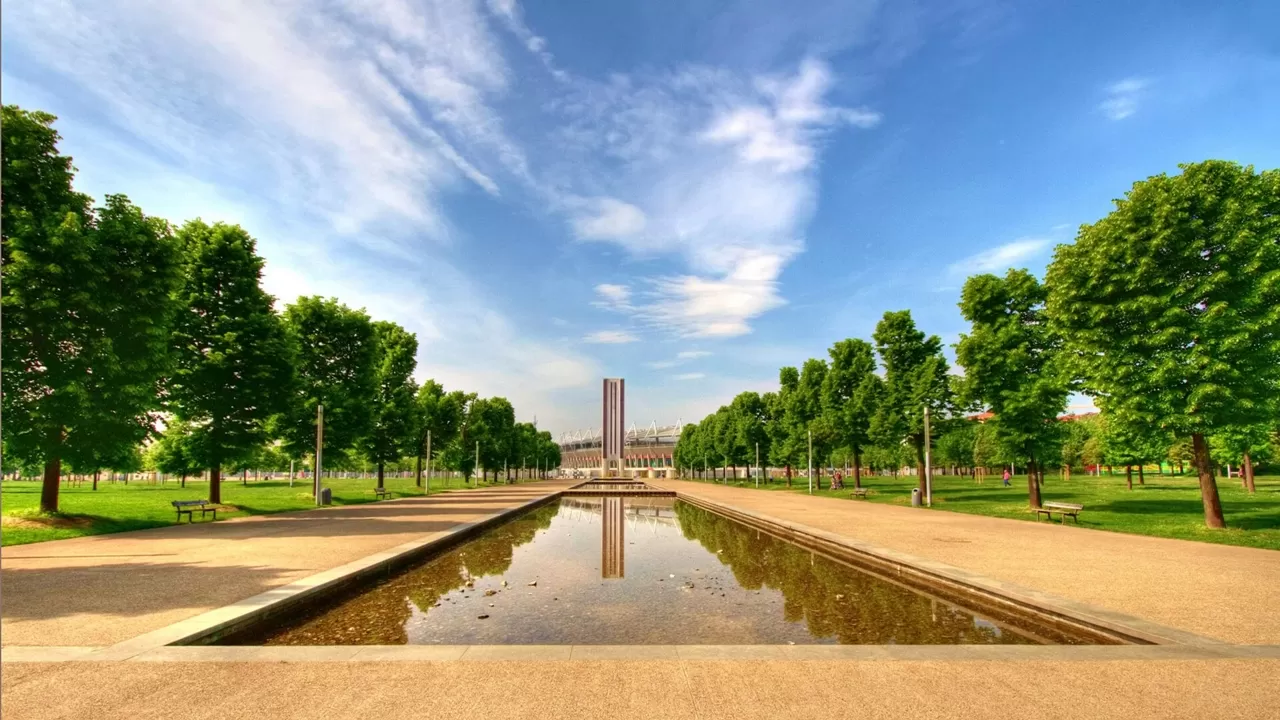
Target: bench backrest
x=183 y=503
x=1064 y=506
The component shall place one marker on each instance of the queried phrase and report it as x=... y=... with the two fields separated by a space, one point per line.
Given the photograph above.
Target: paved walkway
x=646 y=690
x=104 y=589
x=1220 y=591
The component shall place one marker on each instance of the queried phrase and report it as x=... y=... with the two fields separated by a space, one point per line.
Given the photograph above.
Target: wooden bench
x=190 y=506
x=1063 y=510
x=381 y=493
x=860 y=492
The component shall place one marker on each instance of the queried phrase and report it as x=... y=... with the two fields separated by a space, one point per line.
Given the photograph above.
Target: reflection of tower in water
x=611 y=538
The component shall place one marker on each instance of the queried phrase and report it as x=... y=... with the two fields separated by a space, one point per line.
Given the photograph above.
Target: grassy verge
x=1164 y=507
x=116 y=507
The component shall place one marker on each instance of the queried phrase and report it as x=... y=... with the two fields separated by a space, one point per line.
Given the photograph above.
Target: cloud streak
x=999 y=259
x=1122 y=98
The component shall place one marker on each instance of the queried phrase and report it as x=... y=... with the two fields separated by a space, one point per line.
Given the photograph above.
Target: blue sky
x=685 y=193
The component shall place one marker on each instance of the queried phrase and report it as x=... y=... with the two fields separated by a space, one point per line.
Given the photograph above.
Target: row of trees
x=116 y=324
x=1166 y=312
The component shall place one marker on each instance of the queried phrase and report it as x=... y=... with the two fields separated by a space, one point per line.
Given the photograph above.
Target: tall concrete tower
x=613 y=433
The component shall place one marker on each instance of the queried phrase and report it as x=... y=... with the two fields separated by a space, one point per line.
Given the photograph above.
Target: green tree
x=1241 y=444
x=234 y=360
x=1076 y=436
x=393 y=424
x=955 y=443
x=1168 y=305
x=1012 y=365
x=335 y=349
x=750 y=417
x=87 y=300
x=170 y=453
x=440 y=416
x=915 y=376
x=851 y=394
x=492 y=424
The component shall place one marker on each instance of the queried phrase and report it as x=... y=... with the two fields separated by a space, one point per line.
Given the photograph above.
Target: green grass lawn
x=116 y=507
x=1164 y=506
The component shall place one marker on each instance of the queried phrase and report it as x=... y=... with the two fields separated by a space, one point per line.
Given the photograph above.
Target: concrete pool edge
x=211 y=625
x=974 y=590
x=217 y=623
x=632 y=653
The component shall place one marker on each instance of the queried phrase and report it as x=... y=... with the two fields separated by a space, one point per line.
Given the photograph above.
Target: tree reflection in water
x=832 y=599
x=379 y=618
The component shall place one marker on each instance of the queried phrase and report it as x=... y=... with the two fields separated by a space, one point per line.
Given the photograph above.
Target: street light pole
x=477 y=458
x=757 y=465
x=319 y=448
x=928 y=465
x=427 y=490
x=810 y=461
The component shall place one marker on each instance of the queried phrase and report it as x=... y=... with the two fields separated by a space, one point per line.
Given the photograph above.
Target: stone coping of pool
x=966 y=588
x=187 y=639
x=473 y=653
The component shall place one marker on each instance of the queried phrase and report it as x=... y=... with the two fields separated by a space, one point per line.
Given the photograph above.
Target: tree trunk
x=95 y=479
x=49 y=490
x=244 y=477
x=380 y=476
x=1033 y=487
x=1110 y=470
x=1066 y=472
x=1142 y=478
x=215 y=483
x=857 y=468
x=1128 y=475
x=183 y=482
x=1248 y=474
x=788 y=474
x=1208 y=486
x=418 y=472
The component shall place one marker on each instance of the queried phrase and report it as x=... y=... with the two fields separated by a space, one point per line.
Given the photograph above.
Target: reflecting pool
x=633 y=571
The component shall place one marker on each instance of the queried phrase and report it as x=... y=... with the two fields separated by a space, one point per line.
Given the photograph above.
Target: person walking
x=1006 y=477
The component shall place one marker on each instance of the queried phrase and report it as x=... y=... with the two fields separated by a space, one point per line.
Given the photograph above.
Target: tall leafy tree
x=171 y=453
x=750 y=416
x=851 y=393
x=87 y=300
x=787 y=443
x=234 y=360
x=1012 y=364
x=915 y=375
x=335 y=350
x=441 y=414
x=1242 y=444
x=1170 y=305
x=393 y=425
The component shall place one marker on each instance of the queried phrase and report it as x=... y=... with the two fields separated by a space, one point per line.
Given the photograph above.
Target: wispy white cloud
x=1122 y=98
x=613 y=297
x=713 y=167
x=608 y=219
x=334 y=129
x=681 y=358
x=999 y=259
x=690 y=376
x=610 y=337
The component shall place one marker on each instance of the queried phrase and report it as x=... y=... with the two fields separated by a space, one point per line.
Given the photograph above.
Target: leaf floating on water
x=486 y=617
x=533 y=584
x=488 y=593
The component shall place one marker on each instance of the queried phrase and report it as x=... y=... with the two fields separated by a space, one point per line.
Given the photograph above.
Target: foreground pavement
x=104 y=590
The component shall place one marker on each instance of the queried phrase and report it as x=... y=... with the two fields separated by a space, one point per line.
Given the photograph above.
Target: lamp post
x=477 y=459
x=319 y=448
x=809 y=460
x=757 y=465
x=427 y=489
x=928 y=466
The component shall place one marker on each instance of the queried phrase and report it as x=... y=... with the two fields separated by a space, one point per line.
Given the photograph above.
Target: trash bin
x=915 y=497
x=326 y=497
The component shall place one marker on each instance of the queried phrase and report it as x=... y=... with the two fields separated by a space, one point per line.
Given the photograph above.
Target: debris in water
x=533 y=584
x=486 y=617
x=490 y=592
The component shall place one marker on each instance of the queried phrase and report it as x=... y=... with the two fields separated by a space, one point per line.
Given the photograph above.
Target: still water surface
x=633 y=571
